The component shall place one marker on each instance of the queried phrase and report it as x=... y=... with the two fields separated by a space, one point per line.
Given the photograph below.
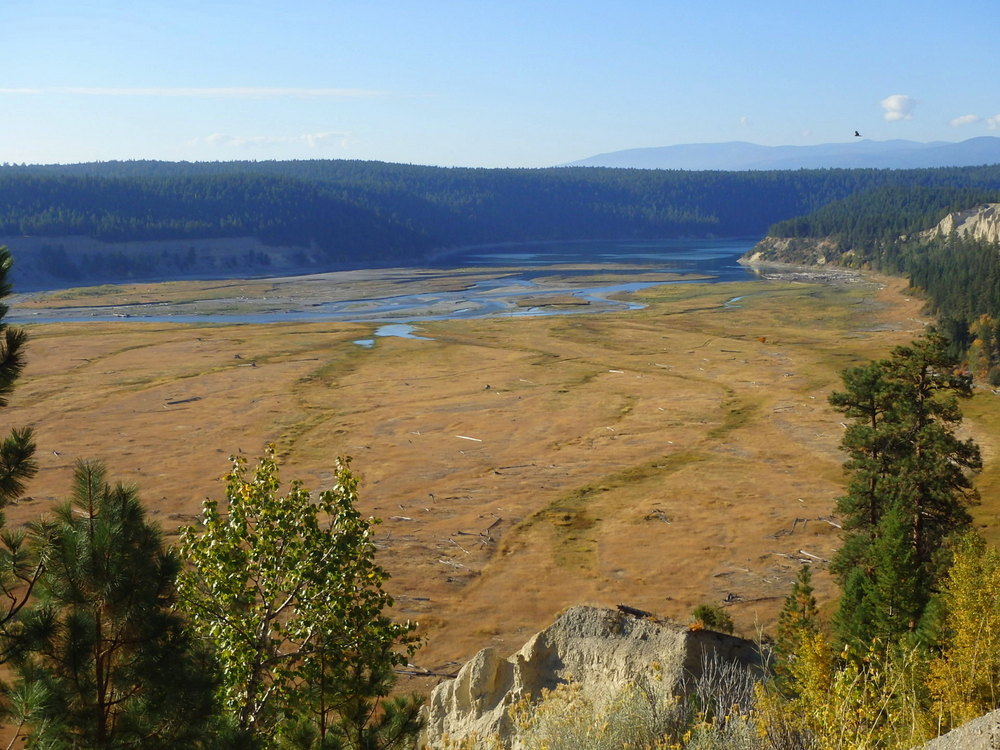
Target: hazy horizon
x=447 y=83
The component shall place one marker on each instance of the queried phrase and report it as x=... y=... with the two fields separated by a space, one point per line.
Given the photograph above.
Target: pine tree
x=352 y=711
x=798 y=621
x=103 y=651
x=897 y=590
x=931 y=473
x=908 y=490
x=871 y=442
x=19 y=569
x=799 y=614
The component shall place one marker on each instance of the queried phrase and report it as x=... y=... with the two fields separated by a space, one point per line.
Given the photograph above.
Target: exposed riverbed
x=535 y=279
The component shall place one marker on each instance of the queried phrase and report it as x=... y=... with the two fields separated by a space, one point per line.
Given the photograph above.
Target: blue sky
x=484 y=83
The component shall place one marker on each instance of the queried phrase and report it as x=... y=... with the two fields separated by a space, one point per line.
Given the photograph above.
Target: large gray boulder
x=979 y=734
x=598 y=649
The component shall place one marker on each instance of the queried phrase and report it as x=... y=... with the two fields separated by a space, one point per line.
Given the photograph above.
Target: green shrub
x=713 y=617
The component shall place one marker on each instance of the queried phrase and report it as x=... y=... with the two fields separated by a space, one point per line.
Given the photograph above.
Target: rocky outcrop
x=597 y=649
x=979 y=734
x=980 y=223
x=803 y=251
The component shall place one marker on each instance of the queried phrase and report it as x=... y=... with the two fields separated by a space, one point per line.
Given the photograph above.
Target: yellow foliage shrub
x=965 y=680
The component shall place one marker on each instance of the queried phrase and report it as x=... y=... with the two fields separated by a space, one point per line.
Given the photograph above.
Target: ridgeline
x=148 y=220
x=354 y=213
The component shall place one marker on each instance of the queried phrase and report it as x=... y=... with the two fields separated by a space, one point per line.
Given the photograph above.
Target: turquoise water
x=529 y=269
x=397 y=330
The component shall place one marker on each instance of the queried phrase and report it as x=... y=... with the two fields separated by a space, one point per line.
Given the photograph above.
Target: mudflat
x=384 y=294
x=662 y=458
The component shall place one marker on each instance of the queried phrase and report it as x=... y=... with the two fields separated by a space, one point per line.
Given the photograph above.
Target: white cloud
x=245 y=92
x=898 y=107
x=993 y=123
x=964 y=120
x=310 y=140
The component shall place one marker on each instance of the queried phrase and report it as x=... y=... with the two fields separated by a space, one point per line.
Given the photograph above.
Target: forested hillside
x=373 y=213
x=134 y=209
x=870 y=223
x=887 y=229
x=370 y=211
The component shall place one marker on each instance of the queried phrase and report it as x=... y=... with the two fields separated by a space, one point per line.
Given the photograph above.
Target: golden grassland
x=662 y=458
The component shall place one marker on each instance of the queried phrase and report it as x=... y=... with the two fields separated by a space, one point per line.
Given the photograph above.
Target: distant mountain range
x=859 y=153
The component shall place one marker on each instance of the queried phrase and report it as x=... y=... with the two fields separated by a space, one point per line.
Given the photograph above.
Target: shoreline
x=541 y=285
x=777 y=271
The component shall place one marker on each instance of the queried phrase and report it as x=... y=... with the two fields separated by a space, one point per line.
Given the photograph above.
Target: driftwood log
x=641 y=613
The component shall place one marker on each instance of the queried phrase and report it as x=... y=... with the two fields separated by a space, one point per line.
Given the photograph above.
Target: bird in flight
x=857 y=134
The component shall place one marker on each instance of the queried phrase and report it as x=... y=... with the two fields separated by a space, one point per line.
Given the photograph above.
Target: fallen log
x=640 y=613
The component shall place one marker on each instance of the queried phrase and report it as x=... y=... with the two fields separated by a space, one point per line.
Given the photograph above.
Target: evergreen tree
x=799 y=615
x=909 y=487
x=105 y=660
x=897 y=590
x=17 y=449
x=351 y=711
x=931 y=472
x=798 y=621
x=872 y=444
x=19 y=569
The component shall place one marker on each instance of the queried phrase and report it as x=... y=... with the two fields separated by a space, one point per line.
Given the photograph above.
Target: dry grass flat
x=680 y=454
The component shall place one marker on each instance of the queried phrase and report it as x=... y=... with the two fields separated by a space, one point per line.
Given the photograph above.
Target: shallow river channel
x=557 y=278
